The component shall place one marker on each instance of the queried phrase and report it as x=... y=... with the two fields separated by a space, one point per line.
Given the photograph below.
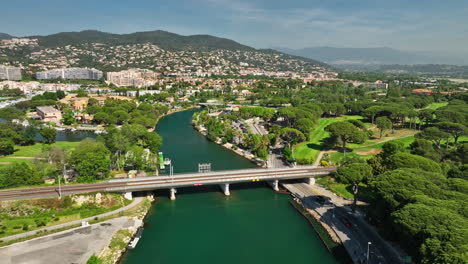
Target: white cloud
x=294 y=27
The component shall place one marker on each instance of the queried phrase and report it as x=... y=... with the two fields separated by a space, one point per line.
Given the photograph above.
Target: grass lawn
x=33 y=150
x=343 y=190
x=434 y=106
x=310 y=149
x=27 y=153
x=366 y=151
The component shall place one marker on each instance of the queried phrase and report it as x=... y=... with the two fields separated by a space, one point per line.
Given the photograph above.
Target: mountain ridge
x=5 y=36
x=373 y=55
x=164 y=39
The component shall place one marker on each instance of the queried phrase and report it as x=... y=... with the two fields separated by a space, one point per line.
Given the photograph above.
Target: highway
x=166 y=182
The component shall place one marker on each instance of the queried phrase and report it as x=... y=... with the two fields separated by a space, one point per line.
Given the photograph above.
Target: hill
x=356 y=57
x=5 y=36
x=163 y=39
x=159 y=50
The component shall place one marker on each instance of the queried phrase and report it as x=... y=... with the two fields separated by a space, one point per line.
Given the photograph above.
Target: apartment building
x=70 y=74
x=133 y=78
x=10 y=73
x=49 y=114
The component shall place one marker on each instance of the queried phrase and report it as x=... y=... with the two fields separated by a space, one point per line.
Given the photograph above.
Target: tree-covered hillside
x=164 y=39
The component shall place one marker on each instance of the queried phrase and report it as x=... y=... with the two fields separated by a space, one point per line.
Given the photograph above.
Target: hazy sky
x=404 y=24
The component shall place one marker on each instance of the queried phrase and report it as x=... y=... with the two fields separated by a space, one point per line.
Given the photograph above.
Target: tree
x=425 y=116
x=116 y=143
x=383 y=123
x=372 y=112
x=455 y=129
x=152 y=141
x=29 y=135
x=392 y=147
x=397 y=187
x=19 y=174
x=102 y=117
x=6 y=147
x=91 y=160
x=424 y=148
x=48 y=135
x=407 y=160
x=305 y=125
x=345 y=132
x=136 y=158
x=291 y=136
x=434 y=134
x=67 y=117
x=354 y=174
x=121 y=116
x=9 y=113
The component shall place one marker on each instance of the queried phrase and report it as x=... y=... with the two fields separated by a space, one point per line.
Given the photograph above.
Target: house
x=76 y=103
x=49 y=114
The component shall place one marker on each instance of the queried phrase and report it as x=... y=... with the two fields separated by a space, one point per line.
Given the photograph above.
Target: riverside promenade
x=351 y=228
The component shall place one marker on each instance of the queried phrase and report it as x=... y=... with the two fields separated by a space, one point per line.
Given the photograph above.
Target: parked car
x=346 y=221
x=320 y=199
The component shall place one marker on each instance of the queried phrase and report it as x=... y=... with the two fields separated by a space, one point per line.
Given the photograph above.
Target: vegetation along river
x=253 y=225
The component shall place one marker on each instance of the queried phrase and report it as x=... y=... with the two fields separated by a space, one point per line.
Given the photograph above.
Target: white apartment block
x=70 y=74
x=133 y=78
x=10 y=73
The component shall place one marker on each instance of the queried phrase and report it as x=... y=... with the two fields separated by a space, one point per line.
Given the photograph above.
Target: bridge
x=221 y=178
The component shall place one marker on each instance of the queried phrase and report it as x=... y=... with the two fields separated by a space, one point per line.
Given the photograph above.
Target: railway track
x=180 y=180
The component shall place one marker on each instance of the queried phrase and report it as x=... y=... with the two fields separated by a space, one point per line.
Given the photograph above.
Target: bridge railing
x=227 y=173
x=171 y=183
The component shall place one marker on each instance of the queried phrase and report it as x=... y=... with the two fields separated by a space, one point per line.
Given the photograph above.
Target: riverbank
x=70 y=244
x=326 y=233
x=241 y=152
x=117 y=245
x=351 y=228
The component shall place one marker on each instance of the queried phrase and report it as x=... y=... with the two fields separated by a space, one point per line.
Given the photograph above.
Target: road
x=71 y=246
x=351 y=228
x=165 y=182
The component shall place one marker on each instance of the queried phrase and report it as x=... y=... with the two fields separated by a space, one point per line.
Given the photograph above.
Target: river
x=253 y=225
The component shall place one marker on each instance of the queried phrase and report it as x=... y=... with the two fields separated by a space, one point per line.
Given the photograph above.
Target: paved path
x=351 y=228
x=135 y=201
x=319 y=158
x=71 y=246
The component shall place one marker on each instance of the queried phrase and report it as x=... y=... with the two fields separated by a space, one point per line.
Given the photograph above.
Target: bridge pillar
x=128 y=196
x=310 y=181
x=275 y=185
x=173 y=192
x=225 y=188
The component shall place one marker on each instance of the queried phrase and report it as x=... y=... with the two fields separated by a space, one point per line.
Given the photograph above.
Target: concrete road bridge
x=221 y=178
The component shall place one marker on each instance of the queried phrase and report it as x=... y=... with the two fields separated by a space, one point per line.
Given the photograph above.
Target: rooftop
x=47 y=109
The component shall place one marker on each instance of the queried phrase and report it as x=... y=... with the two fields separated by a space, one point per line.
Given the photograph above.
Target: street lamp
x=59 y=187
x=368 y=244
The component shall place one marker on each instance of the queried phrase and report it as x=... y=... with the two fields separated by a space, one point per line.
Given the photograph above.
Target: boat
x=135 y=239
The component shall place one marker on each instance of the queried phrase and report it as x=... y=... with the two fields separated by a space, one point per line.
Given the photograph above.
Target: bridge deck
x=176 y=181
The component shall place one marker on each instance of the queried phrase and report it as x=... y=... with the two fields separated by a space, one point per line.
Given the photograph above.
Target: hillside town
x=100 y=127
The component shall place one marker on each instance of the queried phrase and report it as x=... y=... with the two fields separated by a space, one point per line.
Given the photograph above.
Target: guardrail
x=176 y=182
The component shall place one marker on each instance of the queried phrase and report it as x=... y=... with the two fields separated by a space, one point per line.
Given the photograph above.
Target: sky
x=415 y=25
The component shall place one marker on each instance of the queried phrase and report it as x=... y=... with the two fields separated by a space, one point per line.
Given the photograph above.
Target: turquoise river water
x=253 y=225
